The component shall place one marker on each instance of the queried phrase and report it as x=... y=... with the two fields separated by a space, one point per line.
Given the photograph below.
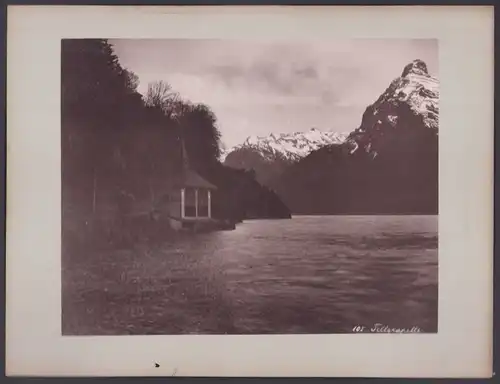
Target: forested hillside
x=388 y=165
x=120 y=148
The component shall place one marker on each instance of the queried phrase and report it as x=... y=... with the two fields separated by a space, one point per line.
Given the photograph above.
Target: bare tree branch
x=161 y=95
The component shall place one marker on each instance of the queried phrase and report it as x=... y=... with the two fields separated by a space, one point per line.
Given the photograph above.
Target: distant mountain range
x=388 y=165
x=269 y=155
x=289 y=146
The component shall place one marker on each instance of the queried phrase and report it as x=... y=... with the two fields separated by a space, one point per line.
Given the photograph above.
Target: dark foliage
x=240 y=196
x=401 y=179
x=119 y=150
x=267 y=171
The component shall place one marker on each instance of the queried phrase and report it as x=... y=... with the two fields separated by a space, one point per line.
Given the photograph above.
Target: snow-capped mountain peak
x=290 y=146
x=417 y=67
x=413 y=98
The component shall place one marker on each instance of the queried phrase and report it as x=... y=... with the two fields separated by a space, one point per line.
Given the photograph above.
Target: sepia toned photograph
x=215 y=186
x=249 y=191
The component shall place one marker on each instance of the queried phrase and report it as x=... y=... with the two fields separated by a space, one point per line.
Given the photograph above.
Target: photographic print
x=249 y=192
x=215 y=186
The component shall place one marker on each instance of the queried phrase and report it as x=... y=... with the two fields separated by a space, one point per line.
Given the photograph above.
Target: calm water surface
x=311 y=274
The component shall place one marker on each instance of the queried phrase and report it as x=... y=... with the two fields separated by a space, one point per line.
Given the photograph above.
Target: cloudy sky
x=256 y=88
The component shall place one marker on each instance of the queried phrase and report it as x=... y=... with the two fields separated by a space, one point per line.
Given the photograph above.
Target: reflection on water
x=311 y=274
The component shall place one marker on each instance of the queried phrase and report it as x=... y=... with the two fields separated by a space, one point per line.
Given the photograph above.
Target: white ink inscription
x=382 y=328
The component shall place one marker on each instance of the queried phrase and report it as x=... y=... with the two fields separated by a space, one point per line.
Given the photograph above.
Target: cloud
x=257 y=87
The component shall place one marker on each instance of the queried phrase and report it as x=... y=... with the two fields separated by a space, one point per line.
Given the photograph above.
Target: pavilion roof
x=190 y=178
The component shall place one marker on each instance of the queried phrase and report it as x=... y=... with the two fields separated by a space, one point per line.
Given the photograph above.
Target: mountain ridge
x=290 y=146
x=388 y=165
x=415 y=94
x=268 y=156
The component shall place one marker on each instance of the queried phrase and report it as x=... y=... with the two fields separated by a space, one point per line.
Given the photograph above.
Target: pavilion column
x=183 y=202
x=209 y=204
x=196 y=202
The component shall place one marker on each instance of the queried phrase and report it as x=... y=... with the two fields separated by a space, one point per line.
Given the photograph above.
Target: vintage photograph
x=249 y=186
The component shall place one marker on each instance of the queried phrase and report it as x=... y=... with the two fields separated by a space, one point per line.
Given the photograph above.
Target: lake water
x=310 y=274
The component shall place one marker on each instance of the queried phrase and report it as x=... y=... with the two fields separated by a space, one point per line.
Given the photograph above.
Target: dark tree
x=160 y=95
x=201 y=134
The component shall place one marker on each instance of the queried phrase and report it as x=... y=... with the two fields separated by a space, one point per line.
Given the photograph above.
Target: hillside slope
x=388 y=165
x=270 y=155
